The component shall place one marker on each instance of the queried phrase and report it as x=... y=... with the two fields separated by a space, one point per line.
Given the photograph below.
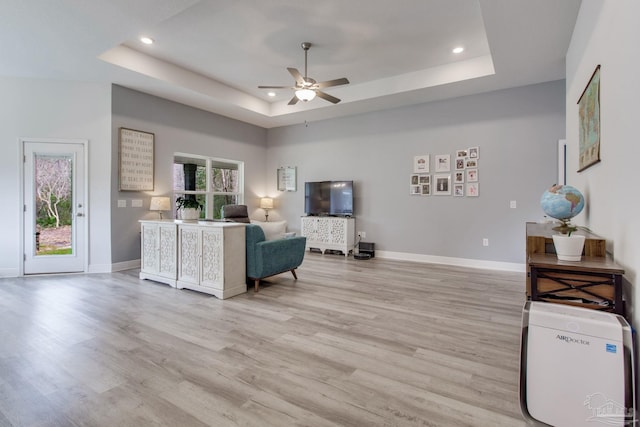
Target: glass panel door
x=54 y=207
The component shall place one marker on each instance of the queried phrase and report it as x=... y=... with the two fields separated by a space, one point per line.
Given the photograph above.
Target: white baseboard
x=8 y=272
x=110 y=268
x=125 y=265
x=460 y=262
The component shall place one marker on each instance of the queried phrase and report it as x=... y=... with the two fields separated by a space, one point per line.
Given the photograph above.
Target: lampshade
x=160 y=204
x=266 y=203
x=305 y=94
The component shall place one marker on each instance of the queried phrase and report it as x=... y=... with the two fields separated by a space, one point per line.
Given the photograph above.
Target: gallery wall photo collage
x=457 y=175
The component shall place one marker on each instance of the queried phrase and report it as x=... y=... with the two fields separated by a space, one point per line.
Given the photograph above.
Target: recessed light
x=458 y=49
x=271 y=94
x=146 y=40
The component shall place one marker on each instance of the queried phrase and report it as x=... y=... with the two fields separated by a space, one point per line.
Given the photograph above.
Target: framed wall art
x=473 y=189
x=443 y=184
x=443 y=163
x=287 y=179
x=421 y=164
x=136 y=159
x=589 y=120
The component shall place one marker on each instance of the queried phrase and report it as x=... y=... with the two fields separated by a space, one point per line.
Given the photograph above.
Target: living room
x=517 y=130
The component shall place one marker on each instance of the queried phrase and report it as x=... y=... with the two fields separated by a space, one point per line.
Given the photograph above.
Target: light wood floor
x=356 y=343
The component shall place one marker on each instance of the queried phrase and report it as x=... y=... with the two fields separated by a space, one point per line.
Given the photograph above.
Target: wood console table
x=594 y=282
x=539 y=241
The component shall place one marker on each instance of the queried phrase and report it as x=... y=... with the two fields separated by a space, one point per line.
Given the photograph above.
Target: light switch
x=122 y=203
x=136 y=203
x=512 y=204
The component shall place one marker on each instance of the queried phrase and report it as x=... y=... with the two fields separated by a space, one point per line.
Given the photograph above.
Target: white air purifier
x=576 y=367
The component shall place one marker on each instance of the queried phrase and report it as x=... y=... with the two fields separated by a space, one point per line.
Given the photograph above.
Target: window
x=211 y=181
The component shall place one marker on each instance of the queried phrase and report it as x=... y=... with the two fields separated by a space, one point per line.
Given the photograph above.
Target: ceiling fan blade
x=336 y=82
x=293 y=101
x=327 y=97
x=296 y=75
x=274 y=87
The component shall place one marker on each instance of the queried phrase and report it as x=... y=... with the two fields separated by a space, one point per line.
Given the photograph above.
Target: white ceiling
x=212 y=54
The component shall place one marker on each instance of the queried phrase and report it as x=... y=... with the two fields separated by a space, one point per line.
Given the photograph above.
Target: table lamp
x=160 y=204
x=266 y=203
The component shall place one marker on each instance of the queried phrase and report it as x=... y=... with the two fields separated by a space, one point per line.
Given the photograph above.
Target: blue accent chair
x=267 y=258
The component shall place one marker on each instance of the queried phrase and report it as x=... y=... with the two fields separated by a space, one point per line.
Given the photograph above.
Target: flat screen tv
x=328 y=198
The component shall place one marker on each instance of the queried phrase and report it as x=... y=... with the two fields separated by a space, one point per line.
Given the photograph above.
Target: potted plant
x=188 y=208
x=569 y=246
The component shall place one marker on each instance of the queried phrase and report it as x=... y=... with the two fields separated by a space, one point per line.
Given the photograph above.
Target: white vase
x=189 y=213
x=568 y=248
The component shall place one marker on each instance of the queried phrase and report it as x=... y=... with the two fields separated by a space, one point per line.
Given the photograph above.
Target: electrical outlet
x=362 y=234
x=485 y=242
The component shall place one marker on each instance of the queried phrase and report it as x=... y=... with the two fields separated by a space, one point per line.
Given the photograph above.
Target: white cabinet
x=159 y=251
x=329 y=233
x=212 y=259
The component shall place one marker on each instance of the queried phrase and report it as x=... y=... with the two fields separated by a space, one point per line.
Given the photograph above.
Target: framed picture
x=426 y=189
x=443 y=184
x=415 y=190
x=473 y=189
x=461 y=153
x=472 y=175
x=136 y=160
x=474 y=152
x=421 y=164
x=287 y=179
x=458 y=177
x=424 y=179
x=415 y=179
x=443 y=163
x=460 y=163
x=458 y=190
x=471 y=163
x=589 y=115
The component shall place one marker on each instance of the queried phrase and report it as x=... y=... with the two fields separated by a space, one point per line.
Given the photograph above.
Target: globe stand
x=565 y=227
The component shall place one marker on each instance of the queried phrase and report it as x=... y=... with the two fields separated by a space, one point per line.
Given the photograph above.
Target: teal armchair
x=267 y=258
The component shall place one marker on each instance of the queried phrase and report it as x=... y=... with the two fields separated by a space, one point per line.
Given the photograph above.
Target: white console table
x=200 y=255
x=329 y=233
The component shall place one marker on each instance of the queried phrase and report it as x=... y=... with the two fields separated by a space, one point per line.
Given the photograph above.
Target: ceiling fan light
x=305 y=94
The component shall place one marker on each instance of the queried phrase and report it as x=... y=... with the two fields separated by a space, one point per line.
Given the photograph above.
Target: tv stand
x=329 y=233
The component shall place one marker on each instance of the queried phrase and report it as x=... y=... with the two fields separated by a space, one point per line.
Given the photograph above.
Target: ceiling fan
x=307 y=88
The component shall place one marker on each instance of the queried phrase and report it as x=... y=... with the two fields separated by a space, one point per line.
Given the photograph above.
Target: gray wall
x=177 y=128
x=517 y=131
x=605 y=33
x=37 y=108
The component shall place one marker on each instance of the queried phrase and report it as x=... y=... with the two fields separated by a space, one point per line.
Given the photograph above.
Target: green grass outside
x=54 y=251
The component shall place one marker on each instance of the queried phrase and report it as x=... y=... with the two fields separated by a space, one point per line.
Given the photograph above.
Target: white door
x=54 y=207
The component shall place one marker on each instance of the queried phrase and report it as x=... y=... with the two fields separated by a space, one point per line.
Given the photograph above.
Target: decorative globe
x=562 y=202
